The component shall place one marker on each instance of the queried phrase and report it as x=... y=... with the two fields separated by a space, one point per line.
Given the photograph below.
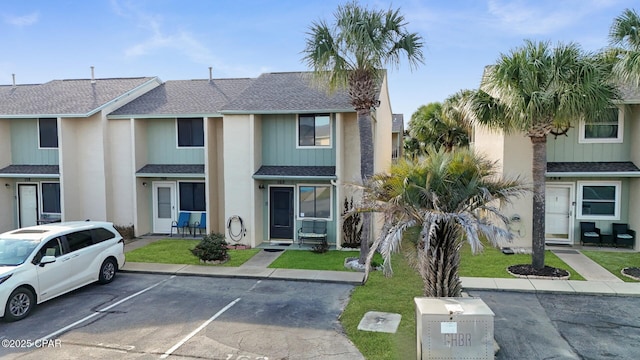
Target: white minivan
x=41 y=262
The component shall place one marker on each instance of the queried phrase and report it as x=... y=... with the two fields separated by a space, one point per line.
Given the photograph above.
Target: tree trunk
x=539 y=167
x=439 y=261
x=366 y=171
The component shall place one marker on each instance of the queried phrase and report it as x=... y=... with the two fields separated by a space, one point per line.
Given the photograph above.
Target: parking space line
x=194 y=332
x=66 y=328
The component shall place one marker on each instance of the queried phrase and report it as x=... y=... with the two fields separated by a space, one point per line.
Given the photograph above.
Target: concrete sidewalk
x=599 y=281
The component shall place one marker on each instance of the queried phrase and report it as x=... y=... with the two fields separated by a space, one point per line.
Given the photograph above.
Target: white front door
x=28 y=204
x=558 y=215
x=164 y=206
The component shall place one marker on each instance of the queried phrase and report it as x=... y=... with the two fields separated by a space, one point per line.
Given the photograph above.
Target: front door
x=558 y=215
x=281 y=212
x=28 y=204
x=164 y=206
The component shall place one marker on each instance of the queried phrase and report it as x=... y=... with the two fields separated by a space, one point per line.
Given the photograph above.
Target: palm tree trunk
x=366 y=171
x=439 y=261
x=539 y=168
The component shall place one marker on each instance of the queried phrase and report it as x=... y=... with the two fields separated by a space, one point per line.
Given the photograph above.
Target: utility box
x=454 y=328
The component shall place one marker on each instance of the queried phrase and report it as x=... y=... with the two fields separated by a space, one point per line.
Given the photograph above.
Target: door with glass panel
x=164 y=206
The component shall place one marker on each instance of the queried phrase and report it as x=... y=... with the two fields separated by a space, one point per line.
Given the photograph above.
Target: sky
x=44 y=40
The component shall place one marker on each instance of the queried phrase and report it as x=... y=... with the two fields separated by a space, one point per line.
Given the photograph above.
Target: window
x=314 y=130
x=51 y=198
x=315 y=202
x=192 y=197
x=53 y=247
x=599 y=200
x=79 y=240
x=607 y=130
x=101 y=234
x=48 y=130
x=190 y=132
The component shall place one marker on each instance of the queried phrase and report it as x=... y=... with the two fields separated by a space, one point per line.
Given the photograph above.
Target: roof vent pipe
x=93 y=79
x=14 y=79
x=210 y=73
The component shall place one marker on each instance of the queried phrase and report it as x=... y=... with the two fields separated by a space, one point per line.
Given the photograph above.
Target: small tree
x=351 y=225
x=213 y=247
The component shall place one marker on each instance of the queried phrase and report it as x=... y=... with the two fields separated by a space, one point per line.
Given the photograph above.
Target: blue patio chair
x=182 y=223
x=200 y=225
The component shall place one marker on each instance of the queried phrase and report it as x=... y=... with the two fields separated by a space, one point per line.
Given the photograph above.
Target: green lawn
x=394 y=294
x=307 y=260
x=178 y=252
x=615 y=261
x=491 y=262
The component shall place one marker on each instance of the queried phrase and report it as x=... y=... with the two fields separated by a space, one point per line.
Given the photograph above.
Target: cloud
x=25 y=20
x=541 y=17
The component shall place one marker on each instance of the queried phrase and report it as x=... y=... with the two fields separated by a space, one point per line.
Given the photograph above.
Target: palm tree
x=451 y=197
x=624 y=36
x=537 y=89
x=352 y=54
x=442 y=125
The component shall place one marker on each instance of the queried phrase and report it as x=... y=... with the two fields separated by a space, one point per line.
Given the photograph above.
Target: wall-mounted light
x=7 y=185
x=261 y=186
x=144 y=183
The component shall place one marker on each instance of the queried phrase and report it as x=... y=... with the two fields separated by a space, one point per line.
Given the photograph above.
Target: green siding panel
x=279 y=144
x=25 y=145
x=567 y=149
x=163 y=145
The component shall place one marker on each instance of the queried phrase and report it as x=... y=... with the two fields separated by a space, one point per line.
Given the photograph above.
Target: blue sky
x=179 y=39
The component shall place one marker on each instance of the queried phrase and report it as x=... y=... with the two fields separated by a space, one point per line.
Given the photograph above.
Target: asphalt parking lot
x=561 y=326
x=142 y=316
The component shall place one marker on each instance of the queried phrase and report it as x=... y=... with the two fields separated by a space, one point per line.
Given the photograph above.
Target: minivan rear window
x=101 y=234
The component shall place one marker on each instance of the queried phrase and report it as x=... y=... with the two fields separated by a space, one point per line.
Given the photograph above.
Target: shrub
x=213 y=247
x=126 y=231
x=320 y=248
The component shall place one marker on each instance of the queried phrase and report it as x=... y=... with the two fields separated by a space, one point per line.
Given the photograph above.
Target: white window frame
x=297 y=199
x=178 y=134
x=178 y=196
x=298 y=146
x=618 y=139
x=41 y=198
x=40 y=147
x=618 y=190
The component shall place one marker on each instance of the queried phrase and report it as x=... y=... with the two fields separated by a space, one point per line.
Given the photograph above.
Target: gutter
x=594 y=174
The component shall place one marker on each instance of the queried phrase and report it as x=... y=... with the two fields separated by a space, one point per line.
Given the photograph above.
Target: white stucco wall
x=632 y=113
x=121 y=194
x=238 y=171
x=83 y=169
x=513 y=154
x=7 y=195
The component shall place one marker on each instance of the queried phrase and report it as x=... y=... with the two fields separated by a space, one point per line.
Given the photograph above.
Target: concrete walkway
x=599 y=281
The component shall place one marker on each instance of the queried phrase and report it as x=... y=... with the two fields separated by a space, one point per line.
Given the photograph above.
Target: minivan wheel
x=107 y=271
x=19 y=305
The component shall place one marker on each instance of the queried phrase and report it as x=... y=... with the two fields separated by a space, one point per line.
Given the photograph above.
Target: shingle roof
x=630 y=94
x=398 y=123
x=178 y=97
x=171 y=169
x=295 y=171
x=592 y=167
x=30 y=170
x=64 y=97
x=288 y=91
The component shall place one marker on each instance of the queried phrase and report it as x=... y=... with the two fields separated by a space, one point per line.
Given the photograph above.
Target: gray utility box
x=454 y=328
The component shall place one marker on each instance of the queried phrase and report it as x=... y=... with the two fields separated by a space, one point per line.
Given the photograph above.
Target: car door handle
x=75 y=256
x=65 y=259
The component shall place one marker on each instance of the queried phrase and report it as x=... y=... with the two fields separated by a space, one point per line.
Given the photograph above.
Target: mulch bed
x=632 y=272
x=547 y=272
